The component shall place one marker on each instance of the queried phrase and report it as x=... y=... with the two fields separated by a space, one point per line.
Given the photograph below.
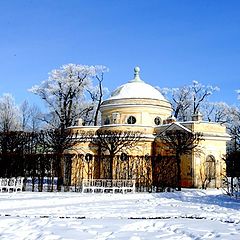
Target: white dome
x=136 y=88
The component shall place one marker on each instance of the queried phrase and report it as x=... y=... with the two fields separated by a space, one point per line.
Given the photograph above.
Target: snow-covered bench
x=11 y=184
x=108 y=185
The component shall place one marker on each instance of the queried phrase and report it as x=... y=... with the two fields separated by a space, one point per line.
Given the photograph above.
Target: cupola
x=135 y=103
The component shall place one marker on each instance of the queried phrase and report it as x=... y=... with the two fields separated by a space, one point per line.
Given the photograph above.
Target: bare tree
x=231 y=180
x=34 y=122
x=9 y=118
x=55 y=142
x=24 y=115
x=97 y=93
x=233 y=127
x=188 y=100
x=200 y=93
x=64 y=95
x=14 y=147
x=181 y=101
x=216 y=112
x=30 y=116
x=180 y=142
x=232 y=157
x=164 y=172
x=112 y=142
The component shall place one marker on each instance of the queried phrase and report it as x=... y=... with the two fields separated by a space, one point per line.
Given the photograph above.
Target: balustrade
x=108 y=185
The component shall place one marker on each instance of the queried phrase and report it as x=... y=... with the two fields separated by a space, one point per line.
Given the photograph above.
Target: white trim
x=72 y=127
x=174 y=125
x=135 y=105
x=216 y=138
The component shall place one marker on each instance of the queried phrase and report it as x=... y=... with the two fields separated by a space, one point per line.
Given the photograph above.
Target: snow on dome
x=136 y=88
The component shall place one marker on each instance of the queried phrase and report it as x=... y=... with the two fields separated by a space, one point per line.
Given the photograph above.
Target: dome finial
x=137 y=70
x=136 y=74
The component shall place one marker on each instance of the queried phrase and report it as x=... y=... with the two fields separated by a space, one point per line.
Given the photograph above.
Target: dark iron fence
x=151 y=173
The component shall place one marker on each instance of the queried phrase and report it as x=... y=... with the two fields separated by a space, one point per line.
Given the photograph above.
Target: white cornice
x=127 y=105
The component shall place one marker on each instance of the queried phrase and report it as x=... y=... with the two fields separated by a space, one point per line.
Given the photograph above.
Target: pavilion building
x=138 y=107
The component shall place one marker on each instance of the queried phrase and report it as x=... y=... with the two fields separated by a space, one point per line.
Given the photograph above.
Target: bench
x=48 y=184
x=11 y=184
x=108 y=185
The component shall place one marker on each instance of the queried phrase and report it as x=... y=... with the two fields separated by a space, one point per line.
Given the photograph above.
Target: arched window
x=124 y=157
x=107 y=121
x=147 y=157
x=88 y=157
x=157 y=120
x=210 y=168
x=131 y=120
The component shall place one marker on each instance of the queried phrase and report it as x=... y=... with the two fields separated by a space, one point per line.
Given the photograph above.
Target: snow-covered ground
x=190 y=214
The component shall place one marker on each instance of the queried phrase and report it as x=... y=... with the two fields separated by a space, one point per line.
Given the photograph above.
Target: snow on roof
x=136 y=88
x=177 y=126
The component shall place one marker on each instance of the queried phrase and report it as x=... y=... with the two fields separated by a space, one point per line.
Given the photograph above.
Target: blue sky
x=173 y=42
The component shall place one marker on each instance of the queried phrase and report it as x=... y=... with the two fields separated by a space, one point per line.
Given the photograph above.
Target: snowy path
x=190 y=214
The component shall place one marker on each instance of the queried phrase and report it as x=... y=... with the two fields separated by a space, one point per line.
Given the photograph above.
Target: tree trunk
x=179 y=179
x=59 y=163
x=98 y=173
x=68 y=171
x=99 y=102
x=232 y=185
x=111 y=166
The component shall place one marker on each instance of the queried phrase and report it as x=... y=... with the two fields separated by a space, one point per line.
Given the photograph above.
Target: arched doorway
x=210 y=170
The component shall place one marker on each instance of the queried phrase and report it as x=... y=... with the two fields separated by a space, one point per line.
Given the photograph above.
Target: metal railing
x=108 y=185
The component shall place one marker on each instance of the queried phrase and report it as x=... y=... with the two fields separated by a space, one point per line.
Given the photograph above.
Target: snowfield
x=190 y=214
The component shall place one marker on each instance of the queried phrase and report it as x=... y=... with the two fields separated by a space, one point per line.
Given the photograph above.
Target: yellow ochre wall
x=126 y=101
x=213 y=144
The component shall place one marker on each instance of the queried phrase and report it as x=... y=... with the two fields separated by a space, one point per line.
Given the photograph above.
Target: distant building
x=137 y=106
